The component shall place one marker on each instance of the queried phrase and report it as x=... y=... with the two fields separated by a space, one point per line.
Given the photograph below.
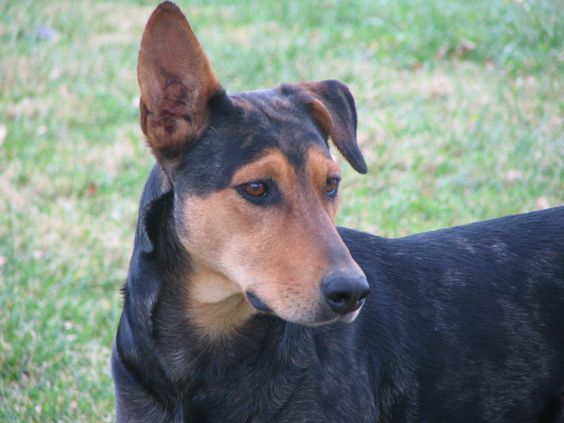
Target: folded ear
x=176 y=82
x=334 y=111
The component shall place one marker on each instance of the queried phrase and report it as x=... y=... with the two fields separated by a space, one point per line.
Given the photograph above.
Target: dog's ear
x=334 y=111
x=176 y=82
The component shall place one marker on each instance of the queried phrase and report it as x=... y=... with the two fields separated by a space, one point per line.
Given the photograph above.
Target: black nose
x=345 y=293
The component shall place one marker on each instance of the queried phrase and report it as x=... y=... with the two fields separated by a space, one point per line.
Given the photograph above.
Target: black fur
x=462 y=325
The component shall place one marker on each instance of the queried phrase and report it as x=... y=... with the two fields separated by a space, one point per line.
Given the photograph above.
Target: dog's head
x=255 y=187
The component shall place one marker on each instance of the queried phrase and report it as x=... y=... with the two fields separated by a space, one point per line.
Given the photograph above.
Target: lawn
x=461 y=118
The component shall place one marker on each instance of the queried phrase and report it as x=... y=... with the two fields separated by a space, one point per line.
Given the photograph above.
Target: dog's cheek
x=220 y=230
x=203 y=233
x=247 y=258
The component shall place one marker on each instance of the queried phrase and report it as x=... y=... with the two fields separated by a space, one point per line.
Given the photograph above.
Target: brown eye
x=255 y=189
x=331 y=186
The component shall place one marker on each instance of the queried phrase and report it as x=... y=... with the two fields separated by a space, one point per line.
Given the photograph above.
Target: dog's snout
x=344 y=293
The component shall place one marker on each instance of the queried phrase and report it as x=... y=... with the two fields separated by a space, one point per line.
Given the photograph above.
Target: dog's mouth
x=342 y=318
x=326 y=318
x=331 y=317
x=350 y=317
x=257 y=303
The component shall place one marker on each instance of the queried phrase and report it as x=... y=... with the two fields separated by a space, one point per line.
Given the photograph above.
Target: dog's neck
x=216 y=305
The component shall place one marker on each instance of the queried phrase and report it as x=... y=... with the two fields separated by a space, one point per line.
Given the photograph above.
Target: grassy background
x=461 y=118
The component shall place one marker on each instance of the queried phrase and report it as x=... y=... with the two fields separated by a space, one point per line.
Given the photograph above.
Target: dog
x=245 y=303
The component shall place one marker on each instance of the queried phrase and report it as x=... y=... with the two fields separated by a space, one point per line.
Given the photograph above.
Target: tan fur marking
x=217 y=306
x=319 y=168
x=322 y=116
x=274 y=164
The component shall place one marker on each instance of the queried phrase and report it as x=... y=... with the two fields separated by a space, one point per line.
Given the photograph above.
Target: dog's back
x=478 y=315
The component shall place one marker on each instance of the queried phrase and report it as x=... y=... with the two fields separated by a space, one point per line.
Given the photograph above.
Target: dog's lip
x=334 y=318
x=257 y=303
x=358 y=306
x=350 y=317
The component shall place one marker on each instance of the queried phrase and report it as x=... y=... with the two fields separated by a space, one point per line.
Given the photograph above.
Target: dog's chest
x=340 y=393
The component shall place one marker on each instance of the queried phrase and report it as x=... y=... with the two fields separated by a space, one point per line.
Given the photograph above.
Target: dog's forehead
x=271 y=119
x=249 y=127
x=276 y=114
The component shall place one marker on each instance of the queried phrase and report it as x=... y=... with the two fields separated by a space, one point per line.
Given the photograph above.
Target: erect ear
x=334 y=111
x=176 y=82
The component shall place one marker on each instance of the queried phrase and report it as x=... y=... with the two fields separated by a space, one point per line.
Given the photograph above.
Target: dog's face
x=256 y=190
x=257 y=196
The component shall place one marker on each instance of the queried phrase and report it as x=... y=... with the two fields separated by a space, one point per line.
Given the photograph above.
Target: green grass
x=461 y=118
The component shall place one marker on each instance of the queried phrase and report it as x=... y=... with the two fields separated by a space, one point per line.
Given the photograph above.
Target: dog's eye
x=331 y=186
x=260 y=192
x=255 y=189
